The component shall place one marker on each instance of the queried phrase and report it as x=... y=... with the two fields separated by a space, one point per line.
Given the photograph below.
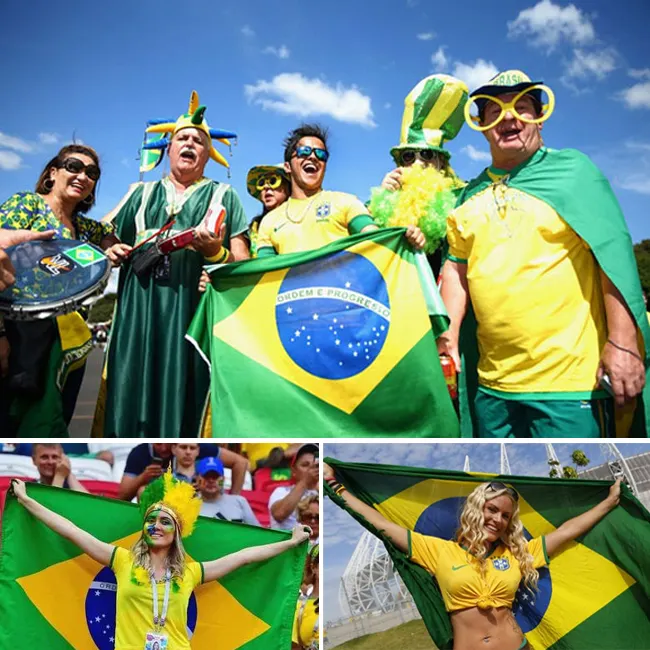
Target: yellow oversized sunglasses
x=270 y=180
x=474 y=121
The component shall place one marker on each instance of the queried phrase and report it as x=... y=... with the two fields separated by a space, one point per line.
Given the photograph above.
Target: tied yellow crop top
x=459 y=576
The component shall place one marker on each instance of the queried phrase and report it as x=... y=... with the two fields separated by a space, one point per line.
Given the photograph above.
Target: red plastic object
x=180 y=240
x=259 y=502
x=102 y=488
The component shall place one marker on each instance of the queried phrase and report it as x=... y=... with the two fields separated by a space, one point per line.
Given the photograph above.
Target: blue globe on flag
x=333 y=315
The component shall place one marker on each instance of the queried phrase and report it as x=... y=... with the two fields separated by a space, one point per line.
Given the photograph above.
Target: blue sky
x=341 y=532
x=100 y=70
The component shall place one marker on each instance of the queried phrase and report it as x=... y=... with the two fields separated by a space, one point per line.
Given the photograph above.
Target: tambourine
x=54 y=277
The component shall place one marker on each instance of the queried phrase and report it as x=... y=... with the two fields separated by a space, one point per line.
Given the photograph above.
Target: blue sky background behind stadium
x=100 y=70
x=341 y=532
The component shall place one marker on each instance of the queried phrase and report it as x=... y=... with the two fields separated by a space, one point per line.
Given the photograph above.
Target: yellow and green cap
x=433 y=114
x=254 y=174
x=509 y=81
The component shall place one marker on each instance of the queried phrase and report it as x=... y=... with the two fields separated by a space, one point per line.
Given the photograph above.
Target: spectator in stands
x=284 y=499
x=306 y=621
x=147 y=461
x=217 y=504
x=54 y=467
x=308 y=515
x=184 y=461
x=269 y=454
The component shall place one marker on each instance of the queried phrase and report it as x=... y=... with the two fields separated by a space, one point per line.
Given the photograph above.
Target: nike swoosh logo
x=455 y=568
x=282 y=225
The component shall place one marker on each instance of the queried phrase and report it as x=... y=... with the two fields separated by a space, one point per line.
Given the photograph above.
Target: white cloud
x=9 y=160
x=637 y=96
x=440 y=60
x=387 y=105
x=596 y=64
x=293 y=94
x=17 y=144
x=477 y=154
x=281 y=52
x=639 y=183
x=49 y=138
x=638 y=146
x=547 y=24
x=639 y=73
x=475 y=74
x=426 y=36
x=248 y=31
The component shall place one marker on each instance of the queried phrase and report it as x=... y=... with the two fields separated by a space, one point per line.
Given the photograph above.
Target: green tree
x=579 y=459
x=102 y=310
x=554 y=472
x=569 y=472
x=642 y=254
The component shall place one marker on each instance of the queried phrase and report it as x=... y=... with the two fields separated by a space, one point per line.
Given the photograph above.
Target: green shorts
x=515 y=418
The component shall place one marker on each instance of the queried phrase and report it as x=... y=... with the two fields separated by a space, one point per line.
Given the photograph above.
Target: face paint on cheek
x=148 y=532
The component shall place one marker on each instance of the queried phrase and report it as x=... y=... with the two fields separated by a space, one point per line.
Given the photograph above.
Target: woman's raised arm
x=98 y=550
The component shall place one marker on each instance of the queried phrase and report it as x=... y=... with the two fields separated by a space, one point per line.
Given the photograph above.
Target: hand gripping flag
x=339 y=340
x=595 y=592
x=53 y=596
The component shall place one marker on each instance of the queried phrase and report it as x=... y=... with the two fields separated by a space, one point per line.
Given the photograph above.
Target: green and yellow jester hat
x=177 y=498
x=506 y=83
x=192 y=119
x=433 y=114
x=256 y=173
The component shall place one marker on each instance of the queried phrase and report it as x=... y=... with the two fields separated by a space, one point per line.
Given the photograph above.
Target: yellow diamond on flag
x=59 y=593
x=583 y=581
x=406 y=323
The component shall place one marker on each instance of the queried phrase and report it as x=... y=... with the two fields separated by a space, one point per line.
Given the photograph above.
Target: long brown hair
x=41 y=188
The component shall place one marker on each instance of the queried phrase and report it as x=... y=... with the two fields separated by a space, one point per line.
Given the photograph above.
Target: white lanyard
x=160 y=622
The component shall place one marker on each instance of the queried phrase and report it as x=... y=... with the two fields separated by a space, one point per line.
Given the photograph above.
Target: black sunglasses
x=408 y=156
x=496 y=486
x=75 y=166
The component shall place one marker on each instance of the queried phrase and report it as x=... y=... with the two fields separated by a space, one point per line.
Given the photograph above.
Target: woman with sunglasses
x=478 y=594
x=65 y=192
x=270 y=185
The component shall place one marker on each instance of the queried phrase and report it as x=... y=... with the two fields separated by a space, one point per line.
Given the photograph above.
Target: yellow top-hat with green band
x=257 y=172
x=506 y=83
x=192 y=119
x=433 y=114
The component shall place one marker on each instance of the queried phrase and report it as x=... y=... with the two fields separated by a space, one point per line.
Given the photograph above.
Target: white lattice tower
x=552 y=456
x=505 y=463
x=369 y=582
x=466 y=465
x=618 y=465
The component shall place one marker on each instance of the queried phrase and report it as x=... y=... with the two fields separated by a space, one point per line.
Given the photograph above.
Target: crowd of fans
x=284 y=476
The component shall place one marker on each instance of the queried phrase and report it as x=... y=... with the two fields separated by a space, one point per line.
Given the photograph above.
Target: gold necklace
x=304 y=212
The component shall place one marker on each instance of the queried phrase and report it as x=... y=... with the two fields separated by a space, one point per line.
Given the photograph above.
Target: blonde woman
x=480 y=571
x=156 y=563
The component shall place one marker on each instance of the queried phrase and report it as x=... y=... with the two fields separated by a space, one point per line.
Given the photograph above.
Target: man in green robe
x=156 y=383
x=560 y=342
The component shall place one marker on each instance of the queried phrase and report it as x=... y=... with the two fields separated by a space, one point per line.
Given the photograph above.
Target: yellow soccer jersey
x=459 y=574
x=536 y=291
x=134 y=616
x=305 y=224
x=305 y=623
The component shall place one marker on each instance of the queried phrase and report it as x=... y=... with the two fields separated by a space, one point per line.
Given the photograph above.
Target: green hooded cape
x=577 y=190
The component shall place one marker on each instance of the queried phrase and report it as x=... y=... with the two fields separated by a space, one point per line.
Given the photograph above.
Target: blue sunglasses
x=305 y=151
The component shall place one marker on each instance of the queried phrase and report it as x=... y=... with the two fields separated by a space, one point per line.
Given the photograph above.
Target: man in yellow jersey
x=539 y=242
x=314 y=217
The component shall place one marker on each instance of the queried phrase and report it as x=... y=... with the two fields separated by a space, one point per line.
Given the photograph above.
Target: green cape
x=577 y=190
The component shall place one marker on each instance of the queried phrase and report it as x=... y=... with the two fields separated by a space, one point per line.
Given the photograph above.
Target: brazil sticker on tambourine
x=53 y=277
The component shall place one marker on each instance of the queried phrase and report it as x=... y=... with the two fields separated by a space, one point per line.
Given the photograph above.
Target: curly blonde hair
x=472 y=535
x=175 y=557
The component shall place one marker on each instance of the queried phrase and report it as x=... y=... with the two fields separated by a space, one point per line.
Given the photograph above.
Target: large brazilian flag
x=340 y=339
x=595 y=593
x=53 y=596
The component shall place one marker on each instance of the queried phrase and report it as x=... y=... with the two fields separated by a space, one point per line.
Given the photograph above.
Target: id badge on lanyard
x=156 y=639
